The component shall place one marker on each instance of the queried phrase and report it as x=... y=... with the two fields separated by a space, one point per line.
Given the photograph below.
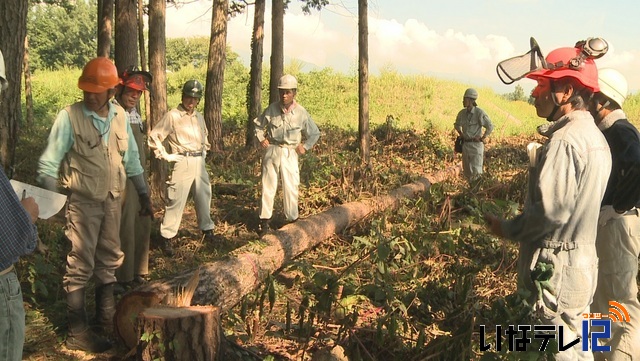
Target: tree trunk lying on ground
x=225 y=282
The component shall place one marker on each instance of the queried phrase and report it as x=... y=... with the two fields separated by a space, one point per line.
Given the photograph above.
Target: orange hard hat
x=560 y=63
x=98 y=75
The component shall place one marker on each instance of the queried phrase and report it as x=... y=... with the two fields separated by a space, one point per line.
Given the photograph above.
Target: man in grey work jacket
x=556 y=231
x=618 y=241
x=280 y=130
x=469 y=124
x=92 y=139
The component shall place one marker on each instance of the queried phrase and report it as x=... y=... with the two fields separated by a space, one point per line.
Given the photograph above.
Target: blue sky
x=454 y=39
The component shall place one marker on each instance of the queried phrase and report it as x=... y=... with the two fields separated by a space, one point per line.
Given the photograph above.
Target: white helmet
x=288 y=81
x=613 y=85
x=3 y=75
x=471 y=93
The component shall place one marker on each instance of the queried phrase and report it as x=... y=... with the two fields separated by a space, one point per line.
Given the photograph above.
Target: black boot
x=166 y=247
x=80 y=336
x=105 y=307
x=265 y=226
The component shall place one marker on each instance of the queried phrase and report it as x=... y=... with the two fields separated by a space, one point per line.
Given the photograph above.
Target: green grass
x=414 y=101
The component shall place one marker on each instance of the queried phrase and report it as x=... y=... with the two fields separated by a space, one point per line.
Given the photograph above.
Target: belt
x=283 y=145
x=6 y=270
x=192 y=154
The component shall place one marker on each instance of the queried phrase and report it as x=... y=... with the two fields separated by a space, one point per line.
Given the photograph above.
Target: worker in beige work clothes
x=185 y=132
x=135 y=230
x=93 y=142
x=280 y=129
x=469 y=124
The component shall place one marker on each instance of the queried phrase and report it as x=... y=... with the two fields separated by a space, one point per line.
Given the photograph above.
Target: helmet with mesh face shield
x=136 y=79
x=586 y=73
x=575 y=62
x=613 y=85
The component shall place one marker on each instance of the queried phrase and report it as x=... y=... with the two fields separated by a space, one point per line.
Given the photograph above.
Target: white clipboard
x=48 y=202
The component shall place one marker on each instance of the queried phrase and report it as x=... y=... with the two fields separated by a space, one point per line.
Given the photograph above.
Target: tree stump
x=127 y=314
x=178 y=333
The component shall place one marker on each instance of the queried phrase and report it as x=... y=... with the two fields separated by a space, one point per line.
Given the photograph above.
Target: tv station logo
x=519 y=337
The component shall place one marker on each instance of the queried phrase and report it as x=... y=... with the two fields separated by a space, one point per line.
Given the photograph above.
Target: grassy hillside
x=414 y=101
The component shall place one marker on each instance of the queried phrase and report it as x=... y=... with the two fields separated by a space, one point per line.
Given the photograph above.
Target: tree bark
x=215 y=74
x=105 y=19
x=225 y=282
x=158 y=68
x=13 y=30
x=179 y=333
x=28 y=96
x=126 y=34
x=254 y=91
x=277 y=48
x=143 y=63
x=363 y=83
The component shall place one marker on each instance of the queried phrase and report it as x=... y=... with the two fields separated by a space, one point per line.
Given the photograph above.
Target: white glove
x=173 y=157
x=607 y=213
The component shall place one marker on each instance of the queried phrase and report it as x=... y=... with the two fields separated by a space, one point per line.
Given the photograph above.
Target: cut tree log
x=225 y=282
x=178 y=333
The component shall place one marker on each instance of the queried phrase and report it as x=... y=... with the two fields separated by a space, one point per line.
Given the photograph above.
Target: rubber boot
x=105 y=308
x=265 y=226
x=80 y=336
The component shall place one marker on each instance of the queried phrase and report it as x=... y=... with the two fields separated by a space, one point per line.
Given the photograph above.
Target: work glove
x=145 y=205
x=173 y=157
x=607 y=213
x=48 y=182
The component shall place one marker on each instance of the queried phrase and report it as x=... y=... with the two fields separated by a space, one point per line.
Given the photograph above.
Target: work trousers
x=280 y=162
x=11 y=317
x=618 y=246
x=134 y=237
x=187 y=173
x=569 y=292
x=94 y=231
x=472 y=159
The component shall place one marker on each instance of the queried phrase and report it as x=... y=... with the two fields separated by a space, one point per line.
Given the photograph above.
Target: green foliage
x=182 y=52
x=517 y=95
x=62 y=36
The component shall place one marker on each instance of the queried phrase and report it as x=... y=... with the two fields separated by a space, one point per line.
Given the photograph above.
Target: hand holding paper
x=48 y=202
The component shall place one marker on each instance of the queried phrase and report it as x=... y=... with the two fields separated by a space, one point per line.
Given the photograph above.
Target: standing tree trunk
x=27 y=84
x=277 y=48
x=105 y=17
x=13 y=30
x=126 y=49
x=143 y=63
x=254 y=91
x=215 y=74
x=158 y=67
x=363 y=82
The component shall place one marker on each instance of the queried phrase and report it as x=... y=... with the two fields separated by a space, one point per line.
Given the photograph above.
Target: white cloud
x=330 y=39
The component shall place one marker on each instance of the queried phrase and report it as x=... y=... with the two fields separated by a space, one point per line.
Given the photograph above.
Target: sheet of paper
x=48 y=202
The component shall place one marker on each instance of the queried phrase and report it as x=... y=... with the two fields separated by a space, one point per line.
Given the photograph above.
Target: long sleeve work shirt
x=61 y=139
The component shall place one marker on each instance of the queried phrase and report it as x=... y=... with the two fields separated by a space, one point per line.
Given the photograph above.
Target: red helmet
x=98 y=75
x=561 y=64
x=136 y=79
